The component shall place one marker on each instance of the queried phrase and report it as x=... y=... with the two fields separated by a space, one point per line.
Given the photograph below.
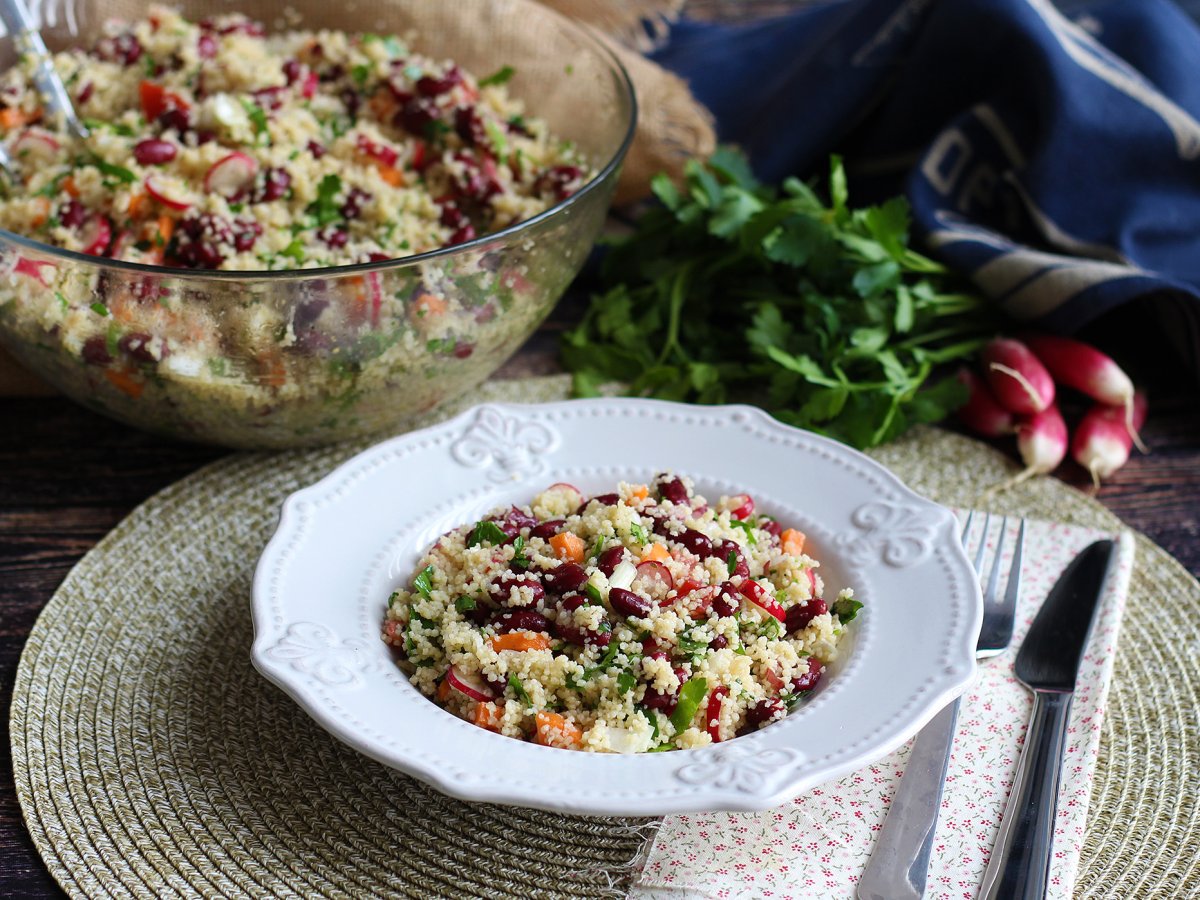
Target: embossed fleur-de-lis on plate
x=746 y=769
x=899 y=535
x=315 y=650
x=509 y=443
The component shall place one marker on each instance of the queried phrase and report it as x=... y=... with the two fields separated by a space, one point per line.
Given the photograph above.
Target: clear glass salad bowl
x=293 y=358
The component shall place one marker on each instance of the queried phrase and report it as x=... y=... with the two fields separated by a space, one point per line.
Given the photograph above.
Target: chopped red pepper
x=712 y=716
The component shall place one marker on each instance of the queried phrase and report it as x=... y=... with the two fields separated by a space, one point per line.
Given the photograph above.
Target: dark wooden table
x=67 y=476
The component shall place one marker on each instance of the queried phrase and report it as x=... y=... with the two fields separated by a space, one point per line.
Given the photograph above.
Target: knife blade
x=1047 y=664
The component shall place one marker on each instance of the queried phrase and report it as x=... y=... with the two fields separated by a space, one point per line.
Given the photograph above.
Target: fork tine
x=994 y=575
x=982 y=548
x=1013 y=591
x=966 y=531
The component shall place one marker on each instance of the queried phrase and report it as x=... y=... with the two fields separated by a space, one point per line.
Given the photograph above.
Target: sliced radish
x=470 y=684
x=741 y=506
x=167 y=192
x=96 y=235
x=33 y=268
x=231 y=175
x=773 y=679
x=757 y=594
x=36 y=147
x=654 y=576
x=563 y=487
x=121 y=244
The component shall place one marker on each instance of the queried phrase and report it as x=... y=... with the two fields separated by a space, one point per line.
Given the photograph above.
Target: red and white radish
x=36 y=147
x=1080 y=366
x=1018 y=379
x=166 y=192
x=470 y=684
x=231 y=175
x=1042 y=441
x=1102 y=441
x=96 y=235
x=982 y=413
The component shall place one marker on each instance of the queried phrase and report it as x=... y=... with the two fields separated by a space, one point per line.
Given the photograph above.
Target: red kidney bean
x=798 y=617
x=432 y=86
x=179 y=119
x=565 y=577
x=206 y=46
x=154 y=152
x=245 y=233
x=548 y=529
x=765 y=711
x=72 y=213
x=95 y=352
x=672 y=489
x=608 y=561
x=521 y=620
x=462 y=235
x=317 y=150
x=557 y=180
x=469 y=126
x=724 y=548
x=584 y=636
x=353 y=205
x=572 y=603
x=519 y=518
x=334 y=237
x=695 y=542
x=727 y=601
x=720 y=642
x=771 y=527
x=663 y=702
x=292 y=70
x=85 y=93
x=275 y=184
x=627 y=603
x=501 y=588
x=136 y=345
x=806 y=681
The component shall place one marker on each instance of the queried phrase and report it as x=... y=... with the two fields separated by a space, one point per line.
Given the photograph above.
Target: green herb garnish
x=360 y=74
x=100 y=309
x=822 y=313
x=465 y=604
x=423 y=583
x=118 y=172
x=500 y=76
x=519 y=689
x=258 y=117
x=486 y=531
x=731 y=562
x=690 y=696
x=638 y=533
x=520 y=560
x=625 y=683
x=846 y=609
x=593 y=593
x=746 y=526
x=325 y=208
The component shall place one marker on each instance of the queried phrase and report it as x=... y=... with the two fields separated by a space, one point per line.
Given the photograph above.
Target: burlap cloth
x=150 y=758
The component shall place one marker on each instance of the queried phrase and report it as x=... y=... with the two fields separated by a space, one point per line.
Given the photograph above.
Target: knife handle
x=1020 y=863
x=899 y=863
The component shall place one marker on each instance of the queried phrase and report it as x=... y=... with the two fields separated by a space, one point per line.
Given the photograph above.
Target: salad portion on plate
x=519 y=545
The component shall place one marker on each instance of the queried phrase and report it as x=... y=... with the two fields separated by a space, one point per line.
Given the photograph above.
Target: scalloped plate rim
x=944 y=687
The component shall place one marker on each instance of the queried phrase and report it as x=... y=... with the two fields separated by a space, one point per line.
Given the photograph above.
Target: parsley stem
x=678 y=295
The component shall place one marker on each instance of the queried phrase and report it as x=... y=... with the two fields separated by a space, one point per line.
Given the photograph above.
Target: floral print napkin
x=817 y=845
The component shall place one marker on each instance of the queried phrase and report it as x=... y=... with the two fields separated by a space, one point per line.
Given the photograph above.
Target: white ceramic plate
x=345 y=543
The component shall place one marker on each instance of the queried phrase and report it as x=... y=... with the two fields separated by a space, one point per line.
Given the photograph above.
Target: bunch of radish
x=1016 y=395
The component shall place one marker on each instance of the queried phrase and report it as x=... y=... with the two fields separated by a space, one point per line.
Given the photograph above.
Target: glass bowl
x=295 y=358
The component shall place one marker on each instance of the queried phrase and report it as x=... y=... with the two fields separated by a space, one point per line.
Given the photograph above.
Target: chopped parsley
x=846 y=609
x=638 y=533
x=519 y=689
x=360 y=74
x=392 y=598
x=118 y=172
x=325 y=208
x=423 y=583
x=486 y=532
x=746 y=526
x=731 y=562
x=593 y=593
x=258 y=117
x=465 y=604
x=520 y=560
x=625 y=682
x=500 y=76
x=100 y=309
x=690 y=697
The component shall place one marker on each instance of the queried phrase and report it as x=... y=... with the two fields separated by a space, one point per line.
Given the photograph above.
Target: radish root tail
x=1134 y=436
x=1010 y=483
x=1026 y=386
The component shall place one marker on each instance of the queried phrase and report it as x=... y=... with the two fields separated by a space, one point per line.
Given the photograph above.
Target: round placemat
x=150 y=758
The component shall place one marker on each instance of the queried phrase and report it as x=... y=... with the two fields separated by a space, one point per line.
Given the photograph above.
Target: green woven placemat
x=150 y=758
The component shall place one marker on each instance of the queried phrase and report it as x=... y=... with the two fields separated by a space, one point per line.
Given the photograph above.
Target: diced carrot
x=520 y=640
x=69 y=185
x=166 y=227
x=655 y=553
x=428 y=306
x=568 y=546
x=125 y=383
x=443 y=690
x=390 y=174
x=136 y=201
x=383 y=104
x=488 y=715
x=792 y=541
x=41 y=212
x=639 y=492
x=554 y=730
x=15 y=117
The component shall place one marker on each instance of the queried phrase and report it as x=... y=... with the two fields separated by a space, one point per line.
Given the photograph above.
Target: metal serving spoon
x=27 y=40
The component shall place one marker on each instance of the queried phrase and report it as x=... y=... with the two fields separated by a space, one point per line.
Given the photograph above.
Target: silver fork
x=899 y=864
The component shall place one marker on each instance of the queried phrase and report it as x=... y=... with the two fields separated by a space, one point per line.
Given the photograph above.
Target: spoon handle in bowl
x=28 y=40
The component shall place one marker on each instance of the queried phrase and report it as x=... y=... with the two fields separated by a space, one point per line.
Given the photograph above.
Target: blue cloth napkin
x=1052 y=154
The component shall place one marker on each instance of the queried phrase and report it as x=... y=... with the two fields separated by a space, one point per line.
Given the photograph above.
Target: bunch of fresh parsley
x=734 y=290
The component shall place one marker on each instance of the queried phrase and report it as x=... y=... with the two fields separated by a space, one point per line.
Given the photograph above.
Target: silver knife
x=1047 y=664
